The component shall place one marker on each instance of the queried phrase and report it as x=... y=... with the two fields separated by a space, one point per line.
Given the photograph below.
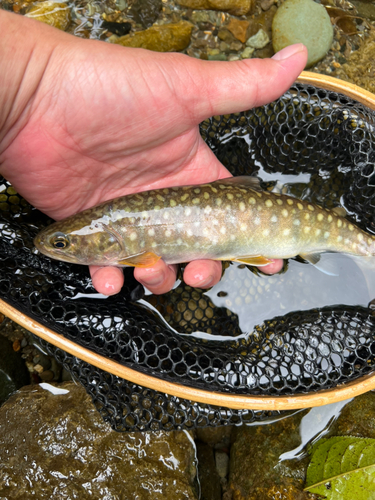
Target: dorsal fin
x=241 y=180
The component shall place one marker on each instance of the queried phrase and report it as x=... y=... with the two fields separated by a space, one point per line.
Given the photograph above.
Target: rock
x=145 y=12
x=262 y=21
x=357 y=418
x=258 y=41
x=225 y=35
x=238 y=29
x=303 y=21
x=222 y=463
x=57 y=446
x=234 y=7
x=53 y=13
x=209 y=479
x=13 y=371
x=360 y=67
x=215 y=435
x=365 y=8
x=172 y=37
x=256 y=472
x=247 y=53
x=266 y=4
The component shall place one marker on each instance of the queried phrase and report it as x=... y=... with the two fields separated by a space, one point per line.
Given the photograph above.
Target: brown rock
x=256 y=472
x=234 y=7
x=52 y=13
x=172 y=37
x=238 y=29
x=266 y=4
x=58 y=446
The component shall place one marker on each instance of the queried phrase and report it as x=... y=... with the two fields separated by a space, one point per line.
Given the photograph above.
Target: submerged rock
x=57 y=446
x=55 y=14
x=172 y=37
x=234 y=7
x=256 y=472
x=259 y=40
x=238 y=29
x=360 y=67
x=145 y=12
x=303 y=21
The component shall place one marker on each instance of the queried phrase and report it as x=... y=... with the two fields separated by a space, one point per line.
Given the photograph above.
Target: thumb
x=230 y=87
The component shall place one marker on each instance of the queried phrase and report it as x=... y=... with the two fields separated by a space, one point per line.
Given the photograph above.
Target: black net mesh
x=306 y=131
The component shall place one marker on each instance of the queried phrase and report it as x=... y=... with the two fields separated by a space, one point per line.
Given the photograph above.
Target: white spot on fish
x=320 y=217
x=306 y=229
x=215 y=222
x=339 y=223
x=142 y=244
x=232 y=237
x=296 y=222
x=242 y=206
x=197 y=190
x=266 y=232
x=351 y=227
x=168 y=233
x=206 y=195
x=279 y=201
x=286 y=232
x=184 y=197
x=172 y=203
x=151 y=232
x=274 y=218
x=230 y=196
x=223 y=230
x=179 y=241
x=218 y=201
x=285 y=212
x=189 y=232
x=187 y=211
x=179 y=225
x=289 y=201
x=268 y=203
x=133 y=236
x=339 y=238
x=347 y=241
x=243 y=227
x=160 y=197
x=307 y=216
x=360 y=236
x=317 y=232
x=329 y=218
x=252 y=201
x=165 y=215
x=326 y=234
x=300 y=206
x=207 y=209
x=197 y=223
x=257 y=221
x=195 y=201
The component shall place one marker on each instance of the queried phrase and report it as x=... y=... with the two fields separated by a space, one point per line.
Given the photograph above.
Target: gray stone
x=303 y=21
x=247 y=53
x=58 y=446
x=259 y=40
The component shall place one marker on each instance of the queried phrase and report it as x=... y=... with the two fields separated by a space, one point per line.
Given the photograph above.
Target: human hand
x=90 y=121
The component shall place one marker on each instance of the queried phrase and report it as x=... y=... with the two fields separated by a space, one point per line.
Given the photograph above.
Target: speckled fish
x=230 y=219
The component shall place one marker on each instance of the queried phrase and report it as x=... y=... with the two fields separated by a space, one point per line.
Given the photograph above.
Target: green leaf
x=342 y=468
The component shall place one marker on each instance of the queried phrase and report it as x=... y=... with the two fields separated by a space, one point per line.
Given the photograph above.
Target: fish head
x=90 y=244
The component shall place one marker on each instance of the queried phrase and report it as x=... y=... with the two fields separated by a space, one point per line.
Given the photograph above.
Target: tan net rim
x=238 y=402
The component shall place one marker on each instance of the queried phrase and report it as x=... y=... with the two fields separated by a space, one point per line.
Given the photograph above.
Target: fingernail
x=209 y=281
x=155 y=279
x=288 y=52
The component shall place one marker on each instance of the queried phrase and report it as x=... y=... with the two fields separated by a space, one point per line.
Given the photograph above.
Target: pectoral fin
x=252 y=260
x=145 y=259
x=313 y=258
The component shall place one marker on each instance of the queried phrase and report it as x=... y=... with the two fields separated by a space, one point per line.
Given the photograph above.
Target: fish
x=230 y=219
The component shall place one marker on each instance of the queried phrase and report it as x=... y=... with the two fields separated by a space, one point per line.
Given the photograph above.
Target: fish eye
x=60 y=240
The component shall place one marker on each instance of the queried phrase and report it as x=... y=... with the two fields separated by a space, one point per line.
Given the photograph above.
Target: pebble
x=234 y=7
x=303 y=21
x=259 y=40
x=247 y=53
x=222 y=463
x=266 y=4
x=238 y=29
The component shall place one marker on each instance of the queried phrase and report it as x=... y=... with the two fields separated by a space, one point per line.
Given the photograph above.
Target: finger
x=275 y=267
x=107 y=280
x=203 y=273
x=228 y=87
x=159 y=278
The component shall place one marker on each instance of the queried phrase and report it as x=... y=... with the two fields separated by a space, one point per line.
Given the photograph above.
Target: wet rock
x=238 y=29
x=266 y=4
x=256 y=471
x=247 y=53
x=13 y=371
x=214 y=436
x=222 y=463
x=225 y=35
x=57 y=446
x=53 y=13
x=360 y=67
x=357 y=418
x=365 y=8
x=303 y=21
x=262 y=21
x=208 y=477
x=258 y=41
x=145 y=12
x=172 y=37
x=234 y=7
